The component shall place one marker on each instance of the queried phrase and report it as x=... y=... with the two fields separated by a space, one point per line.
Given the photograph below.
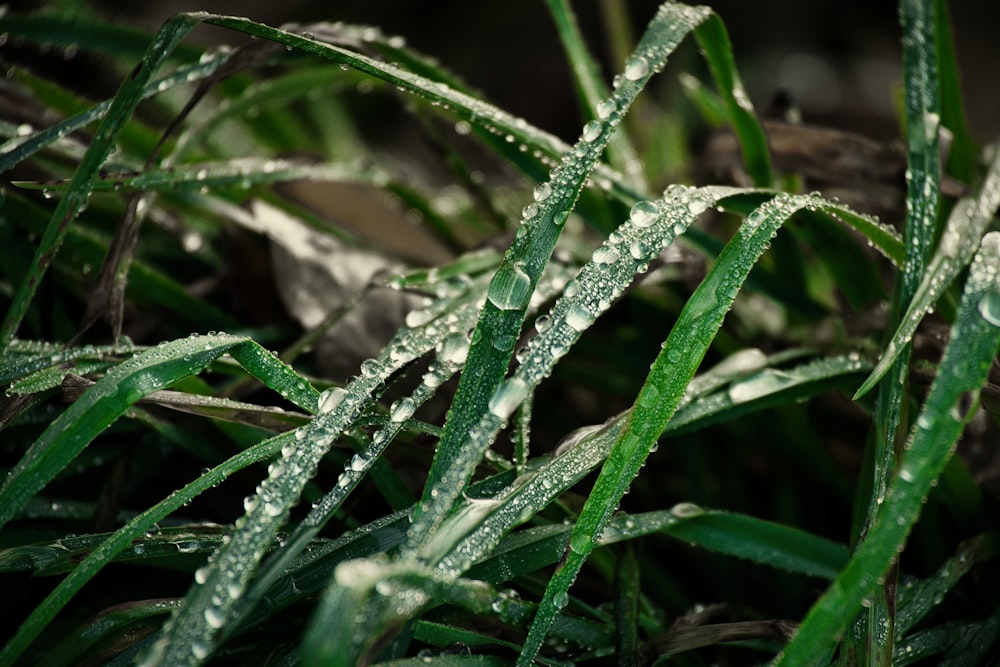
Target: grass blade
x=592 y=90
x=975 y=339
x=512 y=285
x=874 y=637
x=959 y=241
x=662 y=394
x=714 y=42
x=101 y=405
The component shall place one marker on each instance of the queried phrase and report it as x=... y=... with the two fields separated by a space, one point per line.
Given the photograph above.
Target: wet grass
x=523 y=323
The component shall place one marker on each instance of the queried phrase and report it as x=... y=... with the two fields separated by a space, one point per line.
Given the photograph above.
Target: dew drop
x=250 y=503
x=636 y=68
x=214 y=617
x=605 y=108
x=402 y=410
x=454 y=349
x=510 y=288
x=578 y=317
x=418 y=318
x=591 y=130
x=989 y=308
x=542 y=192
x=644 y=213
x=606 y=254
x=686 y=510
x=507 y=397
x=561 y=600
x=638 y=250
x=331 y=398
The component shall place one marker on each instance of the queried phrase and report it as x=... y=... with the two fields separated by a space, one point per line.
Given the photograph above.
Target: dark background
x=839 y=60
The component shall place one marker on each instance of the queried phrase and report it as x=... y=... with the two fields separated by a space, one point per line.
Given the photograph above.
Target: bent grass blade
x=959 y=241
x=510 y=291
x=662 y=393
x=122 y=386
x=975 y=339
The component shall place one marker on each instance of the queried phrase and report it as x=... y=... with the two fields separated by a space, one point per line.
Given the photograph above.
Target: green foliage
x=197 y=498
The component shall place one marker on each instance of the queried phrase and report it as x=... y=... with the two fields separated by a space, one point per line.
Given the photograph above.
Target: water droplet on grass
x=686 y=510
x=644 y=214
x=605 y=108
x=989 y=308
x=591 y=130
x=331 y=398
x=542 y=192
x=606 y=254
x=578 y=317
x=402 y=410
x=507 y=397
x=510 y=288
x=214 y=617
x=636 y=68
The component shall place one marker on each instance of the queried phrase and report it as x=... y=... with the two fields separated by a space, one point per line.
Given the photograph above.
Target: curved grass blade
x=718 y=51
x=62 y=555
x=873 y=637
x=125 y=102
x=123 y=385
x=236 y=173
x=592 y=90
x=26 y=358
x=510 y=291
x=124 y=536
x=662 y=394
x=918 y=598
x=79 y=31
x=651 y=226
x=974 y=341
x=760 y=389
x=959 y=241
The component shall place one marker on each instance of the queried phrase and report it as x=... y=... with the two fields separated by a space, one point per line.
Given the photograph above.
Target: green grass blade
x=627 y=591
x=592 y=90
x=918 y=598
x=18 y=149
x=662 y=394
x=239 y=173
x=100 y=406
x=191 y=635
x=873 y=637
x=974 y=341
x=512 y=285
x=76 y=196
x=963 y=152
x=714 y=43
x=959 y=241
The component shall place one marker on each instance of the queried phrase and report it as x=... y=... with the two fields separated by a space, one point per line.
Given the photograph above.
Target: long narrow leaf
x=974 y=342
